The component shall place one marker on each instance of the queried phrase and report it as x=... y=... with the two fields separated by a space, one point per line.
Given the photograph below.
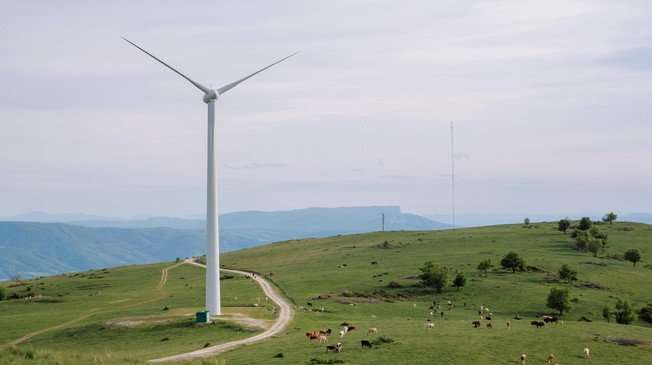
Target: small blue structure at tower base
x=203 y=317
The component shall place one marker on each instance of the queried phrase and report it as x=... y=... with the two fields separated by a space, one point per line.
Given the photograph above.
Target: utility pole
x=383 y=220
x=453 y=174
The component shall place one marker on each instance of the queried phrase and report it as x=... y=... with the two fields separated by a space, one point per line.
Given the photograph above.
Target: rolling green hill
x=350 y=276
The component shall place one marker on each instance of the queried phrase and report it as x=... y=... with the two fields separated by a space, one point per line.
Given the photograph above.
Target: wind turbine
x=212 y=224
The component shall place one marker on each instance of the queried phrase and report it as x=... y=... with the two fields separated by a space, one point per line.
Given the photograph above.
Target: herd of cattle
x=485 y=316
x=323 y=334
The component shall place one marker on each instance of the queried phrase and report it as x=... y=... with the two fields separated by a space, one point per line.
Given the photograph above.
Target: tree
x=3 y=293
x=563 y=225
x=594 y=247
x=633 y=256
x=512 y=261
x=566 y=273
x=434 y=276
x=459 y=281
x=526 y=221
x=585 y=223
x=610 y=217
x=606 y=313
x=558 y=300
x=485 y=265
x=624 y=313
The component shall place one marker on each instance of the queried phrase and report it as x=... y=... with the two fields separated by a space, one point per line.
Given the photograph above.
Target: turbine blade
x=230 y=86
x=197 y=85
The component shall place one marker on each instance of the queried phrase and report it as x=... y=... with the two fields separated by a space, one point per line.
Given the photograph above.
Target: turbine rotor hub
x=211 y=95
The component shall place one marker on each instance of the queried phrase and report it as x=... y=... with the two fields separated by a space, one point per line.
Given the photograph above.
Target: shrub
x=3 y=293
x=633 y=256
x=433 y=276
x=513 y=262
x=606 y=313
x=567 y=274
x=558 y=299
x=563 y=225
x=485 y=265
x=624 y=313
x=585 y=223
x=645 y=314
x=459 y=281
x=594 y=247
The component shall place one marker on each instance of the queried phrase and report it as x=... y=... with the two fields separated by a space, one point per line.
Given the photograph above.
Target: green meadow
x=367 y=280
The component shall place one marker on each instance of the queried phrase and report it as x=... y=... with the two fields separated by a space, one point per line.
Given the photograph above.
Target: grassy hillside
x=348 y=276
x=311 y=268
x=119 y=315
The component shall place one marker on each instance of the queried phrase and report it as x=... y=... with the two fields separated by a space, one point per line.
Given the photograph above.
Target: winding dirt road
x=285 y=315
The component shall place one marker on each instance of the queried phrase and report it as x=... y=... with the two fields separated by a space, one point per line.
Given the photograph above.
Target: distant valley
x=41 y=244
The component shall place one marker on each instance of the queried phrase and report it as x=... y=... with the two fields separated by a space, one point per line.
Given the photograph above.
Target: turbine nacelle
x=211 y=95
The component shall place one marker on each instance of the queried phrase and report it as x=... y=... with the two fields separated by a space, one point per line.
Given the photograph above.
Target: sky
x=550 y=100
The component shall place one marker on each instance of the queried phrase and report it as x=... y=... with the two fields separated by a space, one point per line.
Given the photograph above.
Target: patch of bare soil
x=243 y=320
x=623 y=341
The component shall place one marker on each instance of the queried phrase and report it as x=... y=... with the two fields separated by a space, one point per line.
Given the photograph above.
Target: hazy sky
x=551 y=101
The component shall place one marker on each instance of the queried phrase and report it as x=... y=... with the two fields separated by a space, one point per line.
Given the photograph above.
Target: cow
x=523 y=358
x=351 y=328
x=587 y=353
x=312 y=335
x=323 y=339
x=334 y=348
x=489 y=325
x=508 y=324
x=365 y=343
x=538 y=324
x=372 y=331
x=551 y=358
x=342 y=333
x=476 y=324
x=488 y=318
x=326 y=332
x=430 y=325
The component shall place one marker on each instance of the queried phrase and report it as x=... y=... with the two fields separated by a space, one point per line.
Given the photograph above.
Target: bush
x=624 y=313
x=513 y=262
x=645 y=314
x=585 y=223
x=433 y=276
x=606 y=313
x=567 y=274
x=485 y=265
x=558 y=299
x=633 y=256
x=594 y=247
x=563 y=225
x=459 y=281
x=3 y=293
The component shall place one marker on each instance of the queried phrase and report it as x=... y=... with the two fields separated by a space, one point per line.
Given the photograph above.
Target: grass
x=124 y=315
x=340 y=271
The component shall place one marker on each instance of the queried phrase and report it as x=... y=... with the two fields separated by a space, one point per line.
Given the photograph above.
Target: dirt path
x=285 y=315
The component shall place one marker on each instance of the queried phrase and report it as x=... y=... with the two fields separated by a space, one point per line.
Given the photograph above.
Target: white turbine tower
x=212 y=225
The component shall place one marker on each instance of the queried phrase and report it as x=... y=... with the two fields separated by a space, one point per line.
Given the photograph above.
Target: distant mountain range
x=42 y=243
